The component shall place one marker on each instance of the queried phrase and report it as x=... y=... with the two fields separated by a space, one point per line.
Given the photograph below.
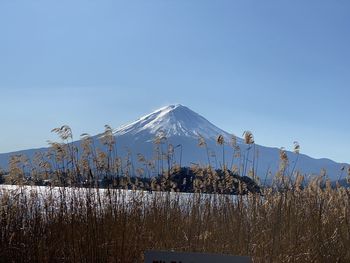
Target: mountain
x=181 y=127
x=174 y=120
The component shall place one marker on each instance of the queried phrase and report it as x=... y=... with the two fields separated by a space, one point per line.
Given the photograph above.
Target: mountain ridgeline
x=176 y=135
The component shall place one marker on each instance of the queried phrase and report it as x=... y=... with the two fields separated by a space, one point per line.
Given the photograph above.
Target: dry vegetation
x=289 y=221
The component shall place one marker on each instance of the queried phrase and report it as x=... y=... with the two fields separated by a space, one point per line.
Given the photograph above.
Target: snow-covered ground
x=56 y=196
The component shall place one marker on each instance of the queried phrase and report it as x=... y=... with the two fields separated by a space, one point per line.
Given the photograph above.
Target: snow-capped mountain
x=182 y=127
x=173 y=120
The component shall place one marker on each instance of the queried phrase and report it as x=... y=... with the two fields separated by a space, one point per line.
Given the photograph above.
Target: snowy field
x=56 y=196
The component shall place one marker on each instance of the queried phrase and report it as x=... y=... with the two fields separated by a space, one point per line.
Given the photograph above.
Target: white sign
x=177 y=257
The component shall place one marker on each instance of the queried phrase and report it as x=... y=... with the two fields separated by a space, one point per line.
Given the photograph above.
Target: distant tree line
x=184 y=179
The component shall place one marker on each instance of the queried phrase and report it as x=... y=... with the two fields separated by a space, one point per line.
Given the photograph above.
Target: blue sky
x=279 y=68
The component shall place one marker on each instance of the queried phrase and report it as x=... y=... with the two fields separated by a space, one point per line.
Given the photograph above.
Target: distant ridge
x=182 y=128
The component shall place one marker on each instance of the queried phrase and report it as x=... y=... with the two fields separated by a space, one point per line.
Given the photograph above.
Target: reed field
x=95 y=210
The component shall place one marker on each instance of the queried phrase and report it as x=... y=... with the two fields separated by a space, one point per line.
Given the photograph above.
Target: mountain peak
x=169 y=108
x=173 y=120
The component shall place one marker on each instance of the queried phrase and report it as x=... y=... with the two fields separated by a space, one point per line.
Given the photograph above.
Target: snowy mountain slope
x=182 y=128
x=173 y=120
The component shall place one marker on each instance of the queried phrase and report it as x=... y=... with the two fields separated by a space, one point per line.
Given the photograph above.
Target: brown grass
x=309 y=225
x=288 y=222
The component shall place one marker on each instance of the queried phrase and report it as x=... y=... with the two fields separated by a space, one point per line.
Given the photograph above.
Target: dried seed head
x=348 y=177
x=235 y=169
x=107 y=137
x=220 y=140
x=299 y=180
x=296 y=147
x=283 y=155
x=86 y=142
x=64 y=132
x=248 y=137
x=283 y=159
x=160 y=137
x=201 y=141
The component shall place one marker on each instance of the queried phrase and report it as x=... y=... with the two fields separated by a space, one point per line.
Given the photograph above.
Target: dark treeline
x=184 y=179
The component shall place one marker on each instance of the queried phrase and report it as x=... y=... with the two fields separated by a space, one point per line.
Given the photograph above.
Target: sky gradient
x=278 y=68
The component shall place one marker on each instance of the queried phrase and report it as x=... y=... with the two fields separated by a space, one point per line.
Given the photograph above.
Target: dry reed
x=291 y=221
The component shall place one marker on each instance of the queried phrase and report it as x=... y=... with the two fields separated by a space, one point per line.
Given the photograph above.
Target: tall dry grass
x=289 y=221
x=300 y=225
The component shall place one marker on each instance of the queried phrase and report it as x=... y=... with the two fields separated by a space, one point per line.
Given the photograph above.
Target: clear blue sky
x=279 y=68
